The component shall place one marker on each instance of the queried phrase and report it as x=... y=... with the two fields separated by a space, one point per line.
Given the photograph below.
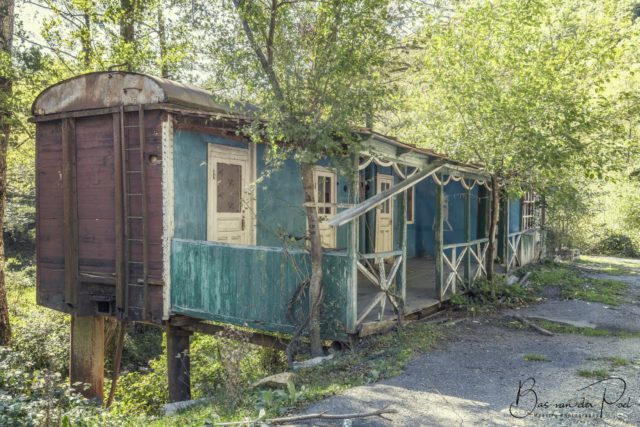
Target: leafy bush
x=36 y=397
x=616 y=244
x=485 y=294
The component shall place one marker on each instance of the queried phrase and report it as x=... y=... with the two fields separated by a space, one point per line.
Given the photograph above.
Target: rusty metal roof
x=106 y=89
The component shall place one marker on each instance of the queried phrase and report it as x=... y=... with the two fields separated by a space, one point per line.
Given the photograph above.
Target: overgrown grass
x=594 y=373
x=375 y=358
x=486 y=296
x=589 y=332
x=574 y=286
x=613 y=266
x=535 y=358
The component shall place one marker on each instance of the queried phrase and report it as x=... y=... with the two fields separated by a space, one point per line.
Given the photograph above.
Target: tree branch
x=266 y=66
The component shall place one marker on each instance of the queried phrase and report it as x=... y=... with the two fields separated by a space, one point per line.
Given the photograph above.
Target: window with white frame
x=529 y=217
x=410 y=205
x=325 y=182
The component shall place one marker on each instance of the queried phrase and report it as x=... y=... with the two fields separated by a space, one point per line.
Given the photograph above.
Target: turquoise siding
x=514 y=215
x=280 y=216
x=253 y=285
x=190 y=172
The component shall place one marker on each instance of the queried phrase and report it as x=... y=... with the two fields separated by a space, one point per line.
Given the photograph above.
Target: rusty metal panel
x=101 y=90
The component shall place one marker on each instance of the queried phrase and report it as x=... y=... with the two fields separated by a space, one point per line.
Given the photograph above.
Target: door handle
x=242 y=223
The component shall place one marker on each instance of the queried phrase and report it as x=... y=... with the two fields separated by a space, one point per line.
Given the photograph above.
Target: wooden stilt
x=87 y=355
x=178 y=364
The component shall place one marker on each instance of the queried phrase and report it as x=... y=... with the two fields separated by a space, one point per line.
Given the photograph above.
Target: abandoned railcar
x=152 y=207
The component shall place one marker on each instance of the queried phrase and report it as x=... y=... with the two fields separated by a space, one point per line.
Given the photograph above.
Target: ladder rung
x=135 y=240
x=135 y=194
x=136 y=262
x=131 y=127
x=135 y=217
x=133 y=149
x=133 y=171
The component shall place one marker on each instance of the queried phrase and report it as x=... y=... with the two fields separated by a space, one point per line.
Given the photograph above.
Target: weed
x=574 y=286
x=589 y=332
x=535 y=358
x=593 y=373
x=485 y=295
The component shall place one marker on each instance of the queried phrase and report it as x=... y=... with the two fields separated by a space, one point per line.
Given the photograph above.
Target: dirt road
x=486 y=372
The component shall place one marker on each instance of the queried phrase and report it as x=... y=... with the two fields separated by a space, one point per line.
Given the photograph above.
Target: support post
x=178 y=364
x=352 y=250
x=543 y=228
x=505 y=228
x=439 y=236
x=87 y=355
x=401 y=278
x=467 y=235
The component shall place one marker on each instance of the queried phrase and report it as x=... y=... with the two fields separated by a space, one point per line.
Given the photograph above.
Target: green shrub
x=616 y=244
x=37 y=397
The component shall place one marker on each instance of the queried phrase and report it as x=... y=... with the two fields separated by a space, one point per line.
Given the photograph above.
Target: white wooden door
x=384 y=216
x=229 y=215
x=325 y=186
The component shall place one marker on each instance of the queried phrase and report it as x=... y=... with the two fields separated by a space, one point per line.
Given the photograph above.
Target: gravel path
x=473 y=377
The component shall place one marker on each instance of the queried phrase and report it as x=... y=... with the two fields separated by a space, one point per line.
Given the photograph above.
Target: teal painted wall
x=253 y=285
x=514 y=215
x=280 y=216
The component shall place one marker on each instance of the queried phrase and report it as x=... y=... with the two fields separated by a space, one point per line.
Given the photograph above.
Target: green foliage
x=486 y=295
x=535 y=358
x=326 y=66
x=572 y=285
x=562 y=328
x=41 y=333
x=616 y=244
x=376 y=358
x=594 y=373
x=33 y=397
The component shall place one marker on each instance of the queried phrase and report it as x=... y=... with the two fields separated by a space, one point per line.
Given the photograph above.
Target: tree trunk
x=85 y=39
x=6 y=39
x=315 y=247
x=493 y=226
x=162 y=41
x=127 y=27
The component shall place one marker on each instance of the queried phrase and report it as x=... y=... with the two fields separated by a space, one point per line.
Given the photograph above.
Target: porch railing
x=515 y=250
x=461 y=264
x=381 y=279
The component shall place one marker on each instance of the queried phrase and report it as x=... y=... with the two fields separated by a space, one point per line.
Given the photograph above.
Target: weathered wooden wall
x=95 y=218
x=253 y=285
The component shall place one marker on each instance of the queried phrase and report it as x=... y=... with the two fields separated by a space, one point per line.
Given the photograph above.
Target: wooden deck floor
x=421 y=290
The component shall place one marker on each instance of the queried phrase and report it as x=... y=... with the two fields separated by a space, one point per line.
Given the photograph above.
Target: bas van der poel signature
x=613 y=393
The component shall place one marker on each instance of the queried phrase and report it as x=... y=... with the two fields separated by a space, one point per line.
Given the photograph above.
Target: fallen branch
x=321 y=415
x=529 y=323
x=325 y=416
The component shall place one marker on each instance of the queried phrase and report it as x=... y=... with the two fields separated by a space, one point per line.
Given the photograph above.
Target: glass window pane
x=410 y=205
x=229 y=188
x=327 y=189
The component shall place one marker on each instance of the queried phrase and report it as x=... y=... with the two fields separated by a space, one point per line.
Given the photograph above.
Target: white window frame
x=321 y=171
x=411 y=206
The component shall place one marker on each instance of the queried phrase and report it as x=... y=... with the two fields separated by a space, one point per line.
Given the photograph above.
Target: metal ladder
x=134 y=235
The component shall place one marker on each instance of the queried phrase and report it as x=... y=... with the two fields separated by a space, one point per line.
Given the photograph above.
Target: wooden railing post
x=352 y=250
x=401 y=281
x=439 y=236
x=505 y=229
x=467 y=235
